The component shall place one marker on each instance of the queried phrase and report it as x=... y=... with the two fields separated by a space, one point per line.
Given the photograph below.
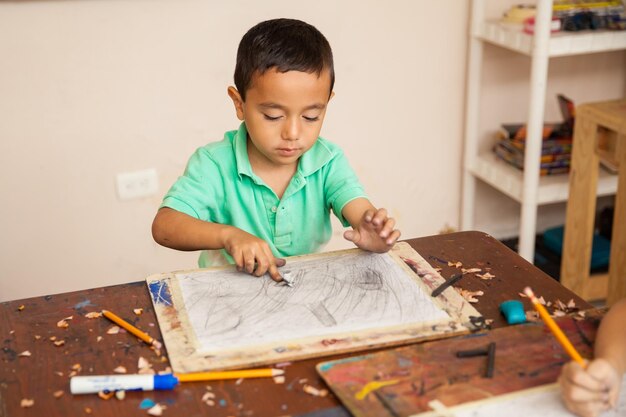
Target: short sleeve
x=199 y=191
x=341 y=184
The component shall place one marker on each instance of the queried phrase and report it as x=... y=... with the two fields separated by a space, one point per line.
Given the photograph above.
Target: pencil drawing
x=345 y=293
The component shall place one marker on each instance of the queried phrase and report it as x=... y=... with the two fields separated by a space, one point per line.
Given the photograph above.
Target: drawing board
x=219 y=318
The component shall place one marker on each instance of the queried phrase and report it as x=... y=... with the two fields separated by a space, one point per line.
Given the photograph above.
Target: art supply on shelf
x=513 y=311
x=132 y=329
x=558 y=333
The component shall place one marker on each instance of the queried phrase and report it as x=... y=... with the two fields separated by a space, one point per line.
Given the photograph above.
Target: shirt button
x=274 y=209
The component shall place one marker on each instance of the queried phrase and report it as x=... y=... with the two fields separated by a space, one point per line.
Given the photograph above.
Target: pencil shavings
x=532 y=316
x=558 y=313
x=27 y=402
x=113 y=330
x=120 y=395
x=144 y=366
x=87 y=410
x=311 y=390
x=208 y=398
x=157 y=410
x=106 y=395
x=58 y=343
x=120 y=370
x=138 y=311
x=99 y=338
x=26 y=353
x=470 y=270
x=455 y=264
x=21 y=307
x=279 y=379
x=63 y=324
x=470 y=296
x=93 y=315
x=37 y=337
x=486 y=276
x=58 y=394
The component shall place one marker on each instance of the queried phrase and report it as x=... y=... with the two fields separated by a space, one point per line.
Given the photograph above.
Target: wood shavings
x=120 y=370
x=58 y=343
x=532 y=316
x=541 y=300
x=93 y=315
x=167 y=370
x=52 y=338
x=470 y=270
x=26 y=353
x=138 y=311
x=87 y=410
x=59 y=373
x=571 y=303
x=239 y=381
x=157 y=410
x=113 y=330
x=279 y=379
x=99 y=338
x=21 y=307
x=208 y=398
x=58 y=394
x=120 y=395
x=486 y=276
x=558 y=313
x=37 y=337
x=470 y=296
x=311 y=390
x=455 y=264
x=144 y=366
x=63 y=322
x=27 y=402
x=106 y=395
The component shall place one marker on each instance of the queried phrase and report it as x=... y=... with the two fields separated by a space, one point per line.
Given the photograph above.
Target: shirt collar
x=312 y=160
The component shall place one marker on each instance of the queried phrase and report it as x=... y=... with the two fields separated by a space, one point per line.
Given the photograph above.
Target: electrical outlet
x=137 y=184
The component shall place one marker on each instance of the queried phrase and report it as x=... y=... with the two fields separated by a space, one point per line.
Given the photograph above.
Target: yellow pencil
x=558 y=333
x=132 y=329
x=244 y=373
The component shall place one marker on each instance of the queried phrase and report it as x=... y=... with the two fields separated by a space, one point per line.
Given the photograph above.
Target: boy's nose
x=291 y=129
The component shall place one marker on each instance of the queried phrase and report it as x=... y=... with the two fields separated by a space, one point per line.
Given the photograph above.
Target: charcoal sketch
x=344 y=293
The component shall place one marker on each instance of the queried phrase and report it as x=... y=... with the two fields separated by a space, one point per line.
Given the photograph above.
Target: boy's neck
x=277 y=177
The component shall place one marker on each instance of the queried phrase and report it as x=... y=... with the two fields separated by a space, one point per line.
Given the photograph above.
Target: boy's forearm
x=611 y=338
x=353 y=211
x=177 y=230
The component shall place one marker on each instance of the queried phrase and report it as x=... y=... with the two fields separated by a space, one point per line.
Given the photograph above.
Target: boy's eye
x=271 y=118
x=311 y=119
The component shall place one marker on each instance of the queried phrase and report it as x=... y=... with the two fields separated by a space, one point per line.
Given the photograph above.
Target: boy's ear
x=237 y=101
x=332 y=94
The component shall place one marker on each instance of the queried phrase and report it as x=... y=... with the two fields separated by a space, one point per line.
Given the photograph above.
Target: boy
x=590 y=391
x=266 y=190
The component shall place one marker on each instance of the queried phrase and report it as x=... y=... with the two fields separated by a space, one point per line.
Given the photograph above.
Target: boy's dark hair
x=284 y=44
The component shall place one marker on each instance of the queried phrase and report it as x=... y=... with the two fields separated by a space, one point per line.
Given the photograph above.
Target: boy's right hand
x=590 y=391
x=252 y=254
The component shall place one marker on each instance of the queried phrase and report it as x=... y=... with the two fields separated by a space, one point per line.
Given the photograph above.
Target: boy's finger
x=379 y=217
x=387 y=228
x=280 y=262
x=393 y=238
x=262 y=266
x=274 y=274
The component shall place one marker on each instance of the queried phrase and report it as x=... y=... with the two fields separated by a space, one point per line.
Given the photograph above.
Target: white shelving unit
x=526 y=187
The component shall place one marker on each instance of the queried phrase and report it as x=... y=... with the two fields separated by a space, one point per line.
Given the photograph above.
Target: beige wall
x=90 y=89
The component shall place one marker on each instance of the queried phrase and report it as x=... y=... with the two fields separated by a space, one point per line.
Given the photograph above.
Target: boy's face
x=283 y=113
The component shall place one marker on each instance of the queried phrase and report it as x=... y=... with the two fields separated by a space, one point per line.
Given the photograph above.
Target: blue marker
x=95 y=383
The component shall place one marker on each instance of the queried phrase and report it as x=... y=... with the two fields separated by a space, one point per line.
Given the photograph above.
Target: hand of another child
x=588 y=392
x=375 y=232
x=252 y=254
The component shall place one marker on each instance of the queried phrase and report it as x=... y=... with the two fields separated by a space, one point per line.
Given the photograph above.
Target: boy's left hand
x=375 y=232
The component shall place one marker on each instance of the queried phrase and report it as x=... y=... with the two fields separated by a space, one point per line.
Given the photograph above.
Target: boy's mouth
x=287 y=151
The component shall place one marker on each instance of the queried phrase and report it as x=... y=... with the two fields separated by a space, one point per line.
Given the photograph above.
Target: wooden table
x=46 y=371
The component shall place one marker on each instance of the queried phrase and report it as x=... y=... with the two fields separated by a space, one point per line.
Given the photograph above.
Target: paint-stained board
x=341 y=301
x=411 y=380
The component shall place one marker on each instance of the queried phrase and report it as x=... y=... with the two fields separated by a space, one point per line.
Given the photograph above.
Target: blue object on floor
x=600 y=252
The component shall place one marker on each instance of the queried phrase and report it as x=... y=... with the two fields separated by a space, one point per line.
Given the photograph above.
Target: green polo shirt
x=219 y=186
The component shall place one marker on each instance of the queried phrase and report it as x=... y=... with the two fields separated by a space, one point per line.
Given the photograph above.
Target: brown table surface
x=38 y=376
